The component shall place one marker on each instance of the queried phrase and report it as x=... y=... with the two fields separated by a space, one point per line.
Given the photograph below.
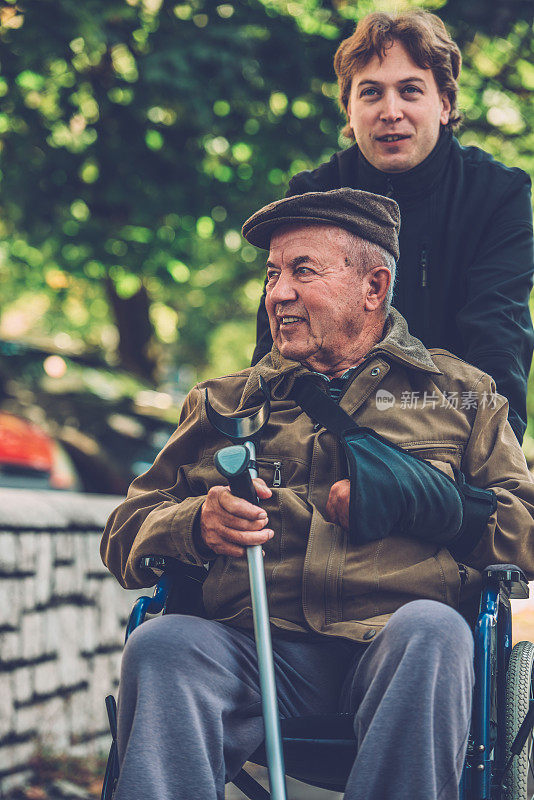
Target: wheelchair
x=320 y=750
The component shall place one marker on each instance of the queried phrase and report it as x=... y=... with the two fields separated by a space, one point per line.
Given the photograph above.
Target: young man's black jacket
x=467 y=258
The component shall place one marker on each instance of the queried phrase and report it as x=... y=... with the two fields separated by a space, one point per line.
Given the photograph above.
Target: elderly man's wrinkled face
x=315 y=297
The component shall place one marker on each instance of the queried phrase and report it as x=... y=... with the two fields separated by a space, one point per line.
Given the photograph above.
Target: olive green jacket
x=426 y=401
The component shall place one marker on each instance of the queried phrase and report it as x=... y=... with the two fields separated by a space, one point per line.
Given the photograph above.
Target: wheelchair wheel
x=519 y=779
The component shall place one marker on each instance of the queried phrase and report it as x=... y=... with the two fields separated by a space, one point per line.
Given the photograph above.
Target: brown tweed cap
x=368 y=216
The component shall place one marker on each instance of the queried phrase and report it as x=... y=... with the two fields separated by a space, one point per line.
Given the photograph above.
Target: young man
x=362 y=599
x=466 y=265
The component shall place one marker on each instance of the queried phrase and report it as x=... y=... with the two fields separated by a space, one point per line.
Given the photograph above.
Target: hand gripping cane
x=238 y=465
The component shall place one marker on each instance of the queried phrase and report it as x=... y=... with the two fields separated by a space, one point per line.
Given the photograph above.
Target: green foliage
x=137 y=135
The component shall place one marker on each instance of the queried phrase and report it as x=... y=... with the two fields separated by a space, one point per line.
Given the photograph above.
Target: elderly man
x=364 y=576
x=467 y=256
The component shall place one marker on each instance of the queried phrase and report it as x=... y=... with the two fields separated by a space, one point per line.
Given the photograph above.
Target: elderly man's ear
x=377 y=282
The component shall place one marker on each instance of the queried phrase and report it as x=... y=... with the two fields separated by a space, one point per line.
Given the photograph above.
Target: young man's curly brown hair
x=424 y=37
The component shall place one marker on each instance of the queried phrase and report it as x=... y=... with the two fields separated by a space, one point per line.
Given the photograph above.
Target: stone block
x=110 y=603
x=46 y=677
x=51 y=634
x=44 y=568
x=100 y=685
x=8 y=551
x=10 y=601
x=17 y=755
x=71 y=666
x=64 y=582
x=89 y=632
x=54 y=724
x=7 y=710
x=27 y=718
x=64 y=545
x=11 y=645
x=79 y=566
x=31 y=630
x=28 y=588
x=93 y=561
x=23 y=682
x=27 y=547
x=14 y=781
x=80 y=714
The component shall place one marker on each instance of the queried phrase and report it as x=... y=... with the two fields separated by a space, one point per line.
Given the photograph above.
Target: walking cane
x=238 y=465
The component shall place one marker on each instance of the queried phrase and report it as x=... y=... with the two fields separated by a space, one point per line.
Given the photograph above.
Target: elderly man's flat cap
x=368 y=216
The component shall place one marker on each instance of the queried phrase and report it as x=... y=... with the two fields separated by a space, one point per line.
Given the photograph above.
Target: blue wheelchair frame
x=487 y=758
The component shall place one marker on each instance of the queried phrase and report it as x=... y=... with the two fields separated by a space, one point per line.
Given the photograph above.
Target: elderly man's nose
x=284 y=289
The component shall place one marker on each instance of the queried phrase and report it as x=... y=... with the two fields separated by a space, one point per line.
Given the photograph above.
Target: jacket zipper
x=424 y=268
x=464 y=575
x=274 y=465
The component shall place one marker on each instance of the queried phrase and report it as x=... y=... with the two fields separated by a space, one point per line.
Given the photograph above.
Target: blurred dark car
x=109 y=423
x=31 y=459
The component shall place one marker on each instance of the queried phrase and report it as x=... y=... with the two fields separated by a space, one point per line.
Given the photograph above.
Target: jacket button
x=369 y=634
x=375 y=371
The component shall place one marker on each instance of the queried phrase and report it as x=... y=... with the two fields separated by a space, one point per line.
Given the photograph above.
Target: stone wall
x=62 y=621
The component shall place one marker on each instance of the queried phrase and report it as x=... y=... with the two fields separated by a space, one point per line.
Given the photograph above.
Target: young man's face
x=395 y=111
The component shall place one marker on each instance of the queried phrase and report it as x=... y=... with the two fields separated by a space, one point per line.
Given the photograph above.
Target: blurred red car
x=103 y=424
x=31 y=459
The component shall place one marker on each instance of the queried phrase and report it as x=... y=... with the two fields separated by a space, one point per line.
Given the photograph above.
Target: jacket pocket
x=283 y=473
x=271 y=471
x=443 y=457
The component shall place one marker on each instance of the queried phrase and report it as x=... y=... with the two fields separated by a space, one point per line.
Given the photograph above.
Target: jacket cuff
x=478 y=505
x=186 y=521
x=205 y=552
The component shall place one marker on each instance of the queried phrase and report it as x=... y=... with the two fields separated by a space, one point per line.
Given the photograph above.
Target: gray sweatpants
x=190 y=709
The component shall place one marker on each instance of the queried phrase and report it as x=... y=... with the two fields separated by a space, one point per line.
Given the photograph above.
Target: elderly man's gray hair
x=366 y=255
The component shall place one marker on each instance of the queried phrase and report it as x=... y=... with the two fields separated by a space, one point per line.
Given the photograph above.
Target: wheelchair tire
x=519 y=779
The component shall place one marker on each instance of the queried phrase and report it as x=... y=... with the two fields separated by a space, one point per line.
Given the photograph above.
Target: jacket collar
x=397 y=345
x=416 y=182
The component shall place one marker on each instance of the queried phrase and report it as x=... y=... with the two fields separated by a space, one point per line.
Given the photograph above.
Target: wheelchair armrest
x=178 y=590
x=149 y=605
x=159 y=563
x=508 y=577
x=172 y=566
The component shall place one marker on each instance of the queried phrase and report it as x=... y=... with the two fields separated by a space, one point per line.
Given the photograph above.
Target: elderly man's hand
x=337 y=505
x=229 y=524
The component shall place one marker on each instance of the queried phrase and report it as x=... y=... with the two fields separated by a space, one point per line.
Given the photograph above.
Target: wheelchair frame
x=488 y=753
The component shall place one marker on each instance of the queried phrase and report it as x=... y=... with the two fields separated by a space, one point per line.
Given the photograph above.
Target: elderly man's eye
x=272 y=276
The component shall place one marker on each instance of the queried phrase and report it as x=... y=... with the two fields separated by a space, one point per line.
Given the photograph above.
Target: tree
x=148 y=133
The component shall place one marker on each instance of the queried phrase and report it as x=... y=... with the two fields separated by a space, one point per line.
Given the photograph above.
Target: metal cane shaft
x=262 y=633
x=234 y=464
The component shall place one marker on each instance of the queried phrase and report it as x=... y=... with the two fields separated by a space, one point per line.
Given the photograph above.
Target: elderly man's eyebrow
x=295 y=262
